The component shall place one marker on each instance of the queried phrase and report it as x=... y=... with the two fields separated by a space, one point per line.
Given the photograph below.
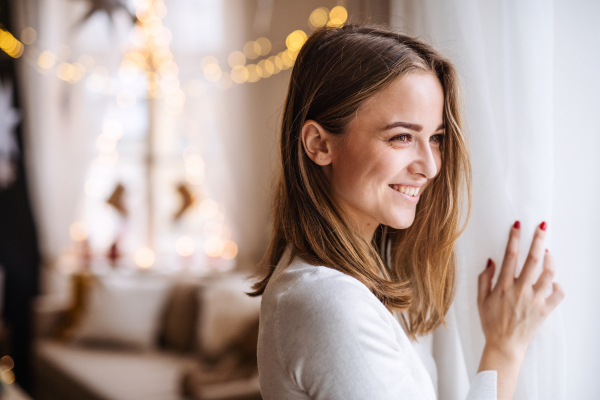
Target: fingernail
x=489 y=264
x=517 y=225
x=546 y=250
x=543 y=226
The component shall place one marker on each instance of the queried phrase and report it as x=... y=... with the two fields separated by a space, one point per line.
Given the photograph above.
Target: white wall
x=576 y=212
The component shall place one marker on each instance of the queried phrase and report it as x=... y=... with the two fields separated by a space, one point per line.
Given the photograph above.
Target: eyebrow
x=408 y=125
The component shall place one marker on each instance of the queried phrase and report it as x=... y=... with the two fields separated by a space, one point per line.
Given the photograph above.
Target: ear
x=317 y=142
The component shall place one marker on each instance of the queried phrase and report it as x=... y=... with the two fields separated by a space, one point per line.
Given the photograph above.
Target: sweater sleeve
x=483 y=386
x=336 y=344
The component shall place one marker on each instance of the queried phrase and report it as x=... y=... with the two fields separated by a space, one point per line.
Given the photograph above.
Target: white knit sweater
x=324 y=335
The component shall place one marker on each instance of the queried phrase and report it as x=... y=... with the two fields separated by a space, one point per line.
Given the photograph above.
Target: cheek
x=365 y=171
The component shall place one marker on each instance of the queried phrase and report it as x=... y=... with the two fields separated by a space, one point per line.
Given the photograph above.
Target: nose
x=424 y=162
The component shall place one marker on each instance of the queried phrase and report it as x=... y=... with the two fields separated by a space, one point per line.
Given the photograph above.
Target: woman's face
x=392 y=146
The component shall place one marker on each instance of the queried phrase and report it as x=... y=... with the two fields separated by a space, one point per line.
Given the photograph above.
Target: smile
x=410 y=194
x=408 y=190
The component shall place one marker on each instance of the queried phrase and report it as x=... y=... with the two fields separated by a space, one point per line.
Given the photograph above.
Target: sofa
x=139 y=335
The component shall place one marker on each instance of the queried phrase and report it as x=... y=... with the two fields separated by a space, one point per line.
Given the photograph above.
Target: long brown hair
x=335 y=71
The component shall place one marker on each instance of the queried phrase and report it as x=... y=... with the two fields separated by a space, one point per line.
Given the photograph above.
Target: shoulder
x=317 y=300
x=303 y=285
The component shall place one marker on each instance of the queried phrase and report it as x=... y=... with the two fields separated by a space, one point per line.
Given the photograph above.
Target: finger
x=484 y=286
x=509 y=263
x=536 y=252
x=556 y=297
x=545 y=279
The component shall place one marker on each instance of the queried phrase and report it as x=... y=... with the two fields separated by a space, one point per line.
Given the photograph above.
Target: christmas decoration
x=107 y=6
x=117 y=200
x=187 y=200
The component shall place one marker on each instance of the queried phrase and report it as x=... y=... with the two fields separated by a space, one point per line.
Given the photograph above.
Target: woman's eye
x=401 y=138
x=437 y=138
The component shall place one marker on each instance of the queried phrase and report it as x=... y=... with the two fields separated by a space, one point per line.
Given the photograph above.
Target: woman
x=366 y=213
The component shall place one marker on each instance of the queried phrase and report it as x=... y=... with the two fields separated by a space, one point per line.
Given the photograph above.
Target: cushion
x=225 y=313
x=178 y=328
x=123 y=310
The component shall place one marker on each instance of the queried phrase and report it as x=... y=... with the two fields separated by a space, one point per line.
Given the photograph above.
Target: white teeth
x=411 y=191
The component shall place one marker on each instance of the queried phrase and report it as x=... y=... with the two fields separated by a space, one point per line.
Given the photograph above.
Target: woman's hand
x=512 y=312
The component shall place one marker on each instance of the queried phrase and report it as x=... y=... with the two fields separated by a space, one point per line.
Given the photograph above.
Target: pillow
x=225 y=313
x=123 y=310
x=178 y=326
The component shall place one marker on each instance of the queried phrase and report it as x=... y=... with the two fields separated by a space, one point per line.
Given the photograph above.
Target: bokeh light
x=230 y=250
x=144 y=257
x=78 y=231
x=214 y=247
x=185 y=246
x=319 y=17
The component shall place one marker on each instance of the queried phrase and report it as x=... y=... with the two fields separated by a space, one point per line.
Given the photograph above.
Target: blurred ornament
x=187 y=200
x=117 y=200
x=114 y=254
x=107 y=6
x=9 y=150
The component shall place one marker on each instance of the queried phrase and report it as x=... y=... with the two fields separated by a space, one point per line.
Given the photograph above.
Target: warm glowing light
x=10 y=45
x=138 y=36
x=208 y=60
x=319 y=17
x=112 y=129
x=28 y=35
x=7 y=376
x=164 y=38
x=212 y=229
x=252 y=50
x=287 y=58
x=144 y=257
x=7 y=362
x=295 y=40
x=236 y=58
x=253 y=73
x=185 y=246
x=214 y=247
x=265 y=45
x=126 y=99
x=78 y=232
x=208 y=208
x=277 y=63
x=239 y=74
x=194 y=163
x=337 y=16
x=230 y=250
x=212 y=72
x=46 y=59
x=266 y=68
x=63 y=71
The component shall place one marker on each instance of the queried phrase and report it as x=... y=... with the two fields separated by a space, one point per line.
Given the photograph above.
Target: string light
x=153 y=57
x=10 y=45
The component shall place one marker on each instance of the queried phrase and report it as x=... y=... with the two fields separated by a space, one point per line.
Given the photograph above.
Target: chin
x=400 y=222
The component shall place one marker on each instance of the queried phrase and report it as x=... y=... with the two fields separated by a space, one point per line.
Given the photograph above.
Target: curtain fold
x=504 y=53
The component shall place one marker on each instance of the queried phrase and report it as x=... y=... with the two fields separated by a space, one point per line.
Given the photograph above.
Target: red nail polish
x=489 y=264
x=543 y=226
x=546 y=250
x=517 y=225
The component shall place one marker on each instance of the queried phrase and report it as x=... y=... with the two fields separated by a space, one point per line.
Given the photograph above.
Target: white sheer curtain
x=504 y=51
